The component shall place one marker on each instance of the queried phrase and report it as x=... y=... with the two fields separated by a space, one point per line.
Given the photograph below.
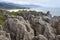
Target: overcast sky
x=47 y=3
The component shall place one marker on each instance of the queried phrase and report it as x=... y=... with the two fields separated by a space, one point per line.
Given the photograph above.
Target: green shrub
x=1 y=19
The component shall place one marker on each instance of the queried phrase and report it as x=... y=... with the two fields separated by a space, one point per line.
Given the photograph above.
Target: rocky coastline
x=30 y=26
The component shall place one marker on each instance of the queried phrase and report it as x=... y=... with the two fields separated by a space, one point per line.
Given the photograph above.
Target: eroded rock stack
x=4 y=35
x=33 y=26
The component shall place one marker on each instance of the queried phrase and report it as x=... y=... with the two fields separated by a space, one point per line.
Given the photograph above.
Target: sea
x=53 y=11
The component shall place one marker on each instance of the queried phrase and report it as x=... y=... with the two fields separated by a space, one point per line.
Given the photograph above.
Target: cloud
x=47 y=3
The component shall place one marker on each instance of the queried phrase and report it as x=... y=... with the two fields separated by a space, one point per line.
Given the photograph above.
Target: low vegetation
x=2 y=20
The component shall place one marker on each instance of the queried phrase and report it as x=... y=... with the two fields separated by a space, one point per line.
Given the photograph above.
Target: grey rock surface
x=31 y=26
x=40 y=37
x=4 y=35
x=19 y=29
x=58 y=37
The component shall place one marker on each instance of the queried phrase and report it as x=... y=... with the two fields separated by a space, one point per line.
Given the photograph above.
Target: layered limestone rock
x=33 y=26
x=19 y=29
x=4 y=35
x=49 y=32
x=55 y=22
x=58 y=37
x=40 y=37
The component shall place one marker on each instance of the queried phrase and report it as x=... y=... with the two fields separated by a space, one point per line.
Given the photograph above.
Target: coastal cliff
x=30 y=26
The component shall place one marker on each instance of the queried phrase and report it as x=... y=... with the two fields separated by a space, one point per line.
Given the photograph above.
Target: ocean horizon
x=53 y=11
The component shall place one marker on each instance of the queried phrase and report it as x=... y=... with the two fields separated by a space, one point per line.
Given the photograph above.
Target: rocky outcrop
x=4 y=35
x=58 y=37
x=55 y=22
x=40 y=37
x=49 y=32
x=19 y=29
x=32 y=26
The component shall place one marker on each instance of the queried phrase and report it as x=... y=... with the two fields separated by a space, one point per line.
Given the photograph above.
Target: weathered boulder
x=4 y=35
x=55 y=22
x=58 y=37
x=49 y=32
x=48 y=14
x=19 y=29
x=47 y=19
x=37 y=25
x=40 y=37
x=41 y=26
